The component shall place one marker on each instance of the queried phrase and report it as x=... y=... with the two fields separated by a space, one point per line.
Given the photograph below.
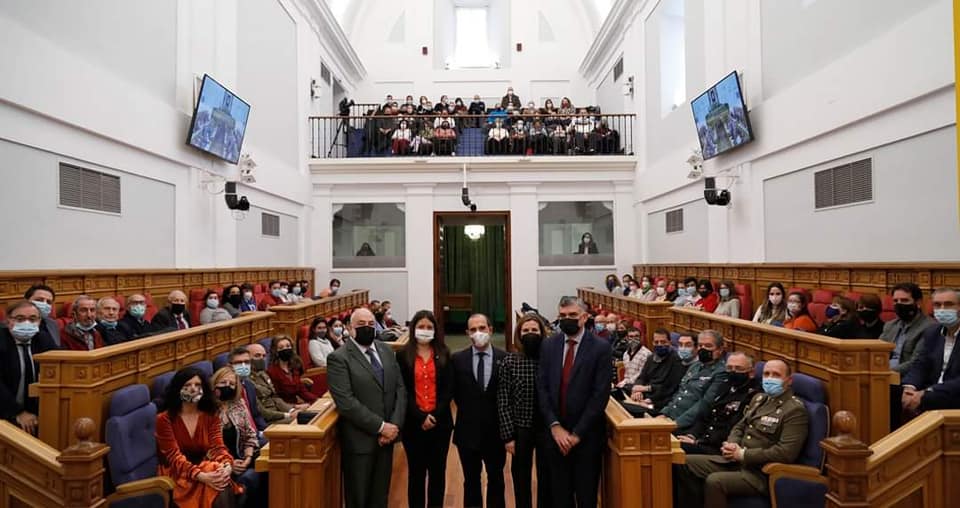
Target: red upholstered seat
x=799 y=290
x=194 y=309
x=197 y=294
x=886 y=312
x=746 y=301
x=853 y=295
x=303 y=337
x=67 y=309
x=822 y=298
x=258 y=297
x=257 y=289
x=151 y=311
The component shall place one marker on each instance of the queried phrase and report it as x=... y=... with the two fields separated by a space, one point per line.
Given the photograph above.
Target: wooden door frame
x=508 y=280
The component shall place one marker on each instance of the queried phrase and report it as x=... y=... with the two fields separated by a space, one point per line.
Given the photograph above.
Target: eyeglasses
x=25 y=319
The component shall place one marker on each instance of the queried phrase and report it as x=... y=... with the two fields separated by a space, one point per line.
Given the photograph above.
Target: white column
x=320 y=235
x=419 y=240
x=524 y=255
x=624 y=227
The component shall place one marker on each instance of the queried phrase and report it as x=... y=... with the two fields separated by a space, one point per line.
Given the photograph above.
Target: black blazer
x=163 y=321
x=132 y=328
x=476 y=410
x=845 y=329
x=591 y=248
x=926 y=369
x=587 y=391
x=10 y=373
x=415 y=417
x=111 y=336
x=251 y=392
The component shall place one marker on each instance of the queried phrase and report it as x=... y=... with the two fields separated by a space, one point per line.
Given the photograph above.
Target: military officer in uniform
x=773 y=429
x=700 y=385
x=708 y=433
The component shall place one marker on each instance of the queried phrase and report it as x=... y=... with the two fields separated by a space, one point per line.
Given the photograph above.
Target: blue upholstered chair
x=159 y=387
x=132 y=460
x=220 y=361
x=204 y=366
x=266 y=346
x=802 y=484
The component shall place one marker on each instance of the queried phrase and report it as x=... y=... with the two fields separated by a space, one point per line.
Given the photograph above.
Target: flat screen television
x=721 y=117
x=219 y=121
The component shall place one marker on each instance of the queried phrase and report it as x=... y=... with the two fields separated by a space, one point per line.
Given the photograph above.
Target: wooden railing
x=75 y=384
x=653 y=314
x=289 y=318
x=637 y=462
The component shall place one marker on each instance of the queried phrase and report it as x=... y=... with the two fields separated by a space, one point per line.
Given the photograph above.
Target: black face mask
x=570 y=326
x=177 y=308
x=531 y=344
x=868 y=315
x=258 y=365
x=703 y=293
x=705 y=356
x=227 y=393
x=905 y=311
x=322 y=334
x=364 y=335
x=285 y=354
x=621 y=333
x=611 y=284
x=235 y=300
x=737 y=378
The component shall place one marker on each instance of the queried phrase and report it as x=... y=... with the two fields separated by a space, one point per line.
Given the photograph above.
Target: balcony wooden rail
x=638 y=460
x=75 y=384
x=289 y=318
x=653 y=314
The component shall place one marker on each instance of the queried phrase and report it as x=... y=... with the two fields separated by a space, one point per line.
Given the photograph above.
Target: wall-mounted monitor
x=721 y=117
x=219 y=121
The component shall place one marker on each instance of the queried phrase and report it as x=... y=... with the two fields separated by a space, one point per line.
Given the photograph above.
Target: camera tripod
x=344 y=128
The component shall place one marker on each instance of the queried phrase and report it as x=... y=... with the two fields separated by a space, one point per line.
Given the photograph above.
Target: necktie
x=88 y=337
x=377 y=366
x=26 y=373
x=480 y=370
x=565 y=378
x=181 y=324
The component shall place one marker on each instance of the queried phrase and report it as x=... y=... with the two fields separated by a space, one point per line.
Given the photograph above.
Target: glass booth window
x=369 y=235
x=576 y=233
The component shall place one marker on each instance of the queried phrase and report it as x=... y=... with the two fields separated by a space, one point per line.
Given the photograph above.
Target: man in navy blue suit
x=933 y=381
x=573 y=386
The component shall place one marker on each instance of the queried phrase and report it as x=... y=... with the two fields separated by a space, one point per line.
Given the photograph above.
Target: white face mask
x=776 y=299
x=661 y=291
x=611 y=327
x=793 y=307
x=480 y=339
x=423 y=336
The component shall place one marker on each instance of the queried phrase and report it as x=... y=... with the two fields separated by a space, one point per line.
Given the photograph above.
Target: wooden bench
x=289 y=318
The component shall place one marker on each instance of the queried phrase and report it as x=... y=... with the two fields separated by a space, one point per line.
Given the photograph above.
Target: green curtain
x=477 y=267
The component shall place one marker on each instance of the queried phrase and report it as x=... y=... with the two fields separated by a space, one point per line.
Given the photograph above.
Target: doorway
x=472 y=273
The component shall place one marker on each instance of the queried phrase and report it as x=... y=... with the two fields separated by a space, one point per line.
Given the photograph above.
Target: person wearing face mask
x=868 y=310
x=174 y=316
x=273 y=408
x=612 y=282
x=190 y=445
x=238 y=433
x=20 y=340
x=660 y=375
x=710 y=430
x=401 y=139
x=81 y=334
x=248 y=302
x=241 y=362
x=43 y=297
x=686 y=293
x=773 y=429
x=285 y=371
x=774 y=308
x=332 y=289
x=476 y=434
x=587 y=245
x=798 y=315
x=319 y=345
x=274 y=297
x=212 y=312
x=933 y=380
x=294 y=292
x=708 y=300
x=645 y=290
x=427 y=372
x=842 y=320
x=702 y=383
x=367 y=386
x=520 y=423
x=134 y=322
x=634 y=357
x=477 y=108
x=600 y=327
x=729 y=301
x=285 y=296
x=906 y=331
x=573 y=387
x=336 y=332
x=660 y=291
x=510 y=99
x=498 y=139
x=671 y=291
x=445 y=139
x=108 y=321
x=232 y=300
x=618 y=338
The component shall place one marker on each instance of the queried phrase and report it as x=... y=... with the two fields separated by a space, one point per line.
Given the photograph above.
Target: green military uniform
x=773 y=429
x=698 y=388
x=272 y=407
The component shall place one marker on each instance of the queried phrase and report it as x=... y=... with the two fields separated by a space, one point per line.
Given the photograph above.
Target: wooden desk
x=638 y=460
x=653 y=314
x=289 y=318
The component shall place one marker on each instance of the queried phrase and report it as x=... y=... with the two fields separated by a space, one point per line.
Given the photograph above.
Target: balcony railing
x=338 y=137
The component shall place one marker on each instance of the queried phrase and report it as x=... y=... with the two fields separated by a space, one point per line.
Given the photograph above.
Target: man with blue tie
x=573 y=386
x=476 y=432
x=366 y=384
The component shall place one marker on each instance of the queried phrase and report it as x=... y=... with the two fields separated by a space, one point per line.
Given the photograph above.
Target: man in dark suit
x=19 y=341
x=174 y=316
x=366 y=384
x=241 y=362
x=476 y=432
x=134 y=323
x=906 y=330
x=933 y=381
x=43 y=297
x=573 y=386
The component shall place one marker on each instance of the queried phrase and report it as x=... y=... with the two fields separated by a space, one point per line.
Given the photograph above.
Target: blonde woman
x=237 y=428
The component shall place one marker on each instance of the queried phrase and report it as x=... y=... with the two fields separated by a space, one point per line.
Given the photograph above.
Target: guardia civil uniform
x=773 y=429
x=702 y=383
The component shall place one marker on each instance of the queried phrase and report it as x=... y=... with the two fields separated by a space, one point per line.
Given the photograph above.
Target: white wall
x=555 y=284
x=679 y=247
x=385 y=284
x=256 y=249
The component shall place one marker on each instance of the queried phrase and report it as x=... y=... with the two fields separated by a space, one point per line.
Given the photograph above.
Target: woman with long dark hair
x=774 y=308
x=285 y=371
x=190 y=444
x=587 y=245
x=428 y=376
x=319 y=346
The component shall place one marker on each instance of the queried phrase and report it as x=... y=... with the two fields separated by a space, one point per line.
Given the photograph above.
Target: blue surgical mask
x=242 y=369
x=685 y=353
x=724 y=293
x=599 y=327
x=86 y=328
x=296 y=290
x=832 y=312
x=681 y=291
x=110 y=325
x=946 y=317
x=213 y=303
x=773 y=387
x=43 y=307
x=25 y=331
x=137 y=310
x=276 y=293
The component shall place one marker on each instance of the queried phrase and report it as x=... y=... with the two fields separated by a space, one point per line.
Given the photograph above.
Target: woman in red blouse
x=428 y=376
x=190 y=445
x=285 y=371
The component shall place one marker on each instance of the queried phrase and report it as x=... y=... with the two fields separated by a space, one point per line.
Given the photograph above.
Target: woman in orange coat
x=190 y=445
x=798 y=317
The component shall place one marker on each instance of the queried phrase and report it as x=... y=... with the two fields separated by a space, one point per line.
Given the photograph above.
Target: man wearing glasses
x=19 y=342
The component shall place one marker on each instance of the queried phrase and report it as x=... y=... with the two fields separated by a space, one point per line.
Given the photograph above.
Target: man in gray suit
x=366 y=384
x=906 y=331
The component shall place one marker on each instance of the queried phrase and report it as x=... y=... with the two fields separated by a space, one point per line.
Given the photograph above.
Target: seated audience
x=442 y=104
x=671 y=290
x=518 y=139
x=274 y=297
x=605 y=140
x=626 y=283
x=906 y=331
x=401 y=139
x=773 y=429
x=660 y=375
x=108 y=318
x=319 y=345
x=702 y=383
x=633 y=290
x=582 y=128
x=81 y=334
x=498 y=139
x=337 y=333
x=239 y=433
x=425 y=106
x=868 y=310
x=933 y=381
x=241 y=363
x=134 y=323
x=708 y=300
x=174 y=316
x=332 y=289
x=729 y=301
x=660 y=291
x=538 y=137
x=646 y=292
x=232 y=300
x=600 y=327
x=708 y=433
x=686 y=293
x=285 y=294
x=774 y=308
x=566 y=111
x=510 y=99
x=477 y=107
x=20 y=340
x=842 y=320
x=190 y=445
x=619 y=340
x=306 y=290
x=212 y=313
x=558 y=139
x=444 y=118
x=686 y=346
x=285 y=371
x=422 y=143
x=249 y=303
x=445 y=139
x=635 y=356
x=273 y=408
x=798 y=315
x=613 y=284
x=43 y=297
